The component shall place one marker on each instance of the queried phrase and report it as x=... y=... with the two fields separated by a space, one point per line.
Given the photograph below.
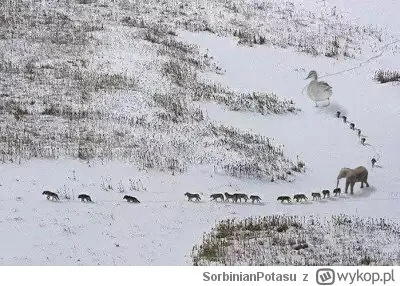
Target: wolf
x=254 y=198
x=337 y=191
x=316 y=196
x=238 y=196
x=84 y=197
x=51 y=195
x=193 y=196
x=229 y=196
x=216 y=197
x=299 y=197
x=131 y=199
x=326 y=193
x=284 y=198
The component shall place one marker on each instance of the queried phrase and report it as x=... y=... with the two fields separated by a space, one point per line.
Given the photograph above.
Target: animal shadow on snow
x=196 y=202
x=247 y=204
x=54 y=201
x=364 y=192
x=302 y=203
x=343 y=196
x=358 y=193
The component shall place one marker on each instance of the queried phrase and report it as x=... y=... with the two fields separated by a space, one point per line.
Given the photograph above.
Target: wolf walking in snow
x=51 y=195
x=316 y=196
x=229 y=196
x=337 y=191
x=284 y=198
x=239 y=197
x=299 y=197
x=215 y=197
x=255 y=198
x=84 y=197
x=192 y=196
x=131 y=199
x=326 y=193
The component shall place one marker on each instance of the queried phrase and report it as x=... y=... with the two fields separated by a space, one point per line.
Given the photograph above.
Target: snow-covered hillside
x=155 y=100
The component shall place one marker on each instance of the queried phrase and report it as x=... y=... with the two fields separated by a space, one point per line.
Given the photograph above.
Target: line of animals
x=315 y=196
x=226 y=197
x=237 y=197
x=86 y=198
x=353 y=127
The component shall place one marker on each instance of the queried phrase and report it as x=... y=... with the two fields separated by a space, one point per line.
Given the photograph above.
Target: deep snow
x=164 y=227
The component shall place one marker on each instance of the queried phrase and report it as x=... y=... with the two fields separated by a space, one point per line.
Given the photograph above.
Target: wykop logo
x=325 y=276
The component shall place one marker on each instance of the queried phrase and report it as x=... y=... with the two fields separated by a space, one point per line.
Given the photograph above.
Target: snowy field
x=164 y=227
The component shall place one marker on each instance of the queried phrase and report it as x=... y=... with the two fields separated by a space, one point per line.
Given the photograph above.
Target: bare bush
x=288 y=240
x=384 y=76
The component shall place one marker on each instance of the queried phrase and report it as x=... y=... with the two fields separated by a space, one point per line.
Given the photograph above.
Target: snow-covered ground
x=163 y=228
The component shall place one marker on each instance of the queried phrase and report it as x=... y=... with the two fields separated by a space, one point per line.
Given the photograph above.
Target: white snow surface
x=162 y=229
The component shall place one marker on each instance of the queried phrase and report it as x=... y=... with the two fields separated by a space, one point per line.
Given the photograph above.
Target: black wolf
x=284 y=198
x=299 y=197
x=193 y=196
x=229 y=196
x=316 y=196
x=254 y=198
x=239 y=197
x=337 y=191
x=326 y=193
x=131 y=199
x=51 y=195
x=84 y=197
x=215 y=197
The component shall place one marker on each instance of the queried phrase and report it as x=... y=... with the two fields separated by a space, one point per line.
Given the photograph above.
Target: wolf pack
x=85 y=198
x=240 y=197
x=315 y=196
x=225 y=197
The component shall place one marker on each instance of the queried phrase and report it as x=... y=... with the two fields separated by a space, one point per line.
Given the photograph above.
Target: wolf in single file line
x=192 y=196
x=326 y=193
x=299 y=197
x=337 y=191
x=316 y=196
x=84 y=197
x=239 y=197
x=255 y=198
x=215 y=197
x=51 y=195
x=131 y=199
x=284 y=198
x=229 y=196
